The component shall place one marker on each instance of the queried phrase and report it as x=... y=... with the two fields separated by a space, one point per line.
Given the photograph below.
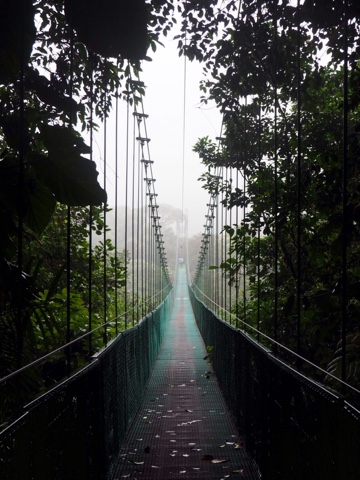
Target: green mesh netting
x=295 y=428
x=75 y=430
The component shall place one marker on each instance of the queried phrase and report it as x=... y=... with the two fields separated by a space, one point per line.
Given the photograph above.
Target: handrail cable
x=299 y=357
x=86 y=334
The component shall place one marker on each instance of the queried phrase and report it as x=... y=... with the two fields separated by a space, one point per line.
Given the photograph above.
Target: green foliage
x=54 y=83
x=252 y=64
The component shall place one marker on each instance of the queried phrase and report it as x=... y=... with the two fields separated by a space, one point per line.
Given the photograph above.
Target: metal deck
x=183 y=428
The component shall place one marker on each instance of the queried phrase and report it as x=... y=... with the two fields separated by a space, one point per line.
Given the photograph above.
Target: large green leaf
x=40 y=207
x=71 y=177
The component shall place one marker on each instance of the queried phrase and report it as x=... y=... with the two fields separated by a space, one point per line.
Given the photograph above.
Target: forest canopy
x=285 y=76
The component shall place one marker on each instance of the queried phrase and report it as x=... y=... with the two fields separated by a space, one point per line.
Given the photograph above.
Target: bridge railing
x=75 y=430
x=294 y=427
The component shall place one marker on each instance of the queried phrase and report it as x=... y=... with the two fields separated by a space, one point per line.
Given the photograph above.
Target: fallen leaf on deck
x=219 y=460
x=241 y=471
x=238 y=446
x=207 y=458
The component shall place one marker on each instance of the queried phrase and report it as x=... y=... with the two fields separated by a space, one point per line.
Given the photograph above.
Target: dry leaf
x=219 y=460
x=240 y=471
x=207 y=458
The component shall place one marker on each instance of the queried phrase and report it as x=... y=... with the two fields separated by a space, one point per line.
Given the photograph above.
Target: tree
x=265 y=66
x=56 y=80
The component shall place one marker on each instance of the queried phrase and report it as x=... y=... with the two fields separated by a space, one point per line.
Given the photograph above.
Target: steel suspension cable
x=298 y=182
x=259 y=226
x=116 y=208
x=133 y=220
x=345 y=222
x=142 y=238
x=139 y=183
x=244 y=210
x=20 y=192
x=105 y=228
x=231 y=253
x=126 y=228
x=276 y=200
x=68 y=230
x=237 y=281
x=183 y=135
x=222 y=243
x=90 y=249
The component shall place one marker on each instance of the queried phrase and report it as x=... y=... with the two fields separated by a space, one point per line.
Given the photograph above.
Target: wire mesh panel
x=57 y=436
x=295 y=428
x=74 y=431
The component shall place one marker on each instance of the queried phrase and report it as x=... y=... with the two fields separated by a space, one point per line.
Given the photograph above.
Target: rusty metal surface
x=183 y=428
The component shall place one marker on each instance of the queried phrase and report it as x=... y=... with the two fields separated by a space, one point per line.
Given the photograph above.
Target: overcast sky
x=164 y=103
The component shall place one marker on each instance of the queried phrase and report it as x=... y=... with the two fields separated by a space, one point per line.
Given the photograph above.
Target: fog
x=164 y=103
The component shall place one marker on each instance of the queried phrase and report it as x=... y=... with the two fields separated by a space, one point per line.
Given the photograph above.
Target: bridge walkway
x=183 y=428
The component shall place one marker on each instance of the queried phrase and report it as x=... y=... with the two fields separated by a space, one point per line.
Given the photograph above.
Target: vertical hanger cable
x=105 y=228
x=298 y=181
x=345 y=223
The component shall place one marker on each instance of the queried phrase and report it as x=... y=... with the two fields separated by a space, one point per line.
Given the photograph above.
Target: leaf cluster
x=268 y=65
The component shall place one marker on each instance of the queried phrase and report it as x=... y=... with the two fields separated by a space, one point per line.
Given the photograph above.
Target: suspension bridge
x=120 y=356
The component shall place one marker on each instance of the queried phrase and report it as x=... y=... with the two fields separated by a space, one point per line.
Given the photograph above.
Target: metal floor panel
x=183 y=429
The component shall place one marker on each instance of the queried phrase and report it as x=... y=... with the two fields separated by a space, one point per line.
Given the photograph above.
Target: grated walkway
x=183 y=428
